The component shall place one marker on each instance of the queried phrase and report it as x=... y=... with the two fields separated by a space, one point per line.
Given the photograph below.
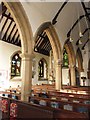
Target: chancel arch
x=48 y=28
x=24 y=28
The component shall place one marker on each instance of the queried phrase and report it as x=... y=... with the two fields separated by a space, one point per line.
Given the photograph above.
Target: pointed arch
x=71 y=54
x=72 y=62
x=56 y=48
x=79 y=60
x=18 y=13
x=42 y=66
x=23 y=25
x=88 y=72
x=53 y=38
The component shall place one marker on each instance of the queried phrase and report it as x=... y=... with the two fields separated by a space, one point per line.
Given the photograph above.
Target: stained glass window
x=16 y=65
x=65 y=58
x=41 y=68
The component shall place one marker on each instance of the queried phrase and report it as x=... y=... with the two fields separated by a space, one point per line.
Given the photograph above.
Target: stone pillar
x=26 y=74
x=50 y=66
x=58 y=75
x=73 y=76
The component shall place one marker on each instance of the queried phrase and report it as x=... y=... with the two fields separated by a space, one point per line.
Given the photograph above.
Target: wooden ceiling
x=42 y=44
x=8 y=29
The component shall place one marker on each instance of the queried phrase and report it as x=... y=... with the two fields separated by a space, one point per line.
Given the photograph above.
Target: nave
x=45 y=60
x=45 y=102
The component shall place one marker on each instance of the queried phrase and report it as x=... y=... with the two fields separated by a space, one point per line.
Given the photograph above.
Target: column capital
x=26 y=56
x=72 y=66
x=59 y=62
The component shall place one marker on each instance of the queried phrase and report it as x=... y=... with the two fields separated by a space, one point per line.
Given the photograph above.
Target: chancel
x=45 y=60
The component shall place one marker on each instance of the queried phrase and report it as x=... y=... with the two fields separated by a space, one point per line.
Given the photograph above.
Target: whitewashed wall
x=6 y=50
x=86 y=56
x=65 y=76
x=37 y=59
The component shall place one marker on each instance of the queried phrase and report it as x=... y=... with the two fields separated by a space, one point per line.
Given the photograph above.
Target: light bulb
x=80 y=42
x=71 y=40
x=80 y=34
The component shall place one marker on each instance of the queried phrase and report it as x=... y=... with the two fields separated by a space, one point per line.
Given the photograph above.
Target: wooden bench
x=77 y=89
x=11 y=95
x=79 y=98
x=26 y=111
x=62 y=105
x=69 y=94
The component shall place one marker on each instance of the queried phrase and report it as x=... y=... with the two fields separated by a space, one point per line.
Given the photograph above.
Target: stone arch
x=72 y=61
x=22 y=22
x=79 y=60
x=43 y=59
x=54 y=40
x=56 y=48
x=71 y=55
x=17 y=11
x=88 y=72
x=15 y=53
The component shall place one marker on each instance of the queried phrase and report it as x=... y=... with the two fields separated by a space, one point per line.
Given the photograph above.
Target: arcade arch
x=24 y=28
x=56 y=48
x=72 y=63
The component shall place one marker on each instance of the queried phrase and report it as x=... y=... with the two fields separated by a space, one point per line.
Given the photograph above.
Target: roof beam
x=4 y=24
x=83 y=5
x=45 y=40
x=5 y=15
x=77 y=43
x=13 y=38
x=2 y=9
x=8 y=39
x=17 y=39
x=54 y=21
x=4 y=37
x=78 y=20
x=85 y=44
x=43 y=51
x=40 y=39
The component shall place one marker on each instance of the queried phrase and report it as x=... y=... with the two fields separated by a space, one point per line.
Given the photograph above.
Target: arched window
x=15 y=65
x=65 y=69
x=65 y=58
x=42 y=67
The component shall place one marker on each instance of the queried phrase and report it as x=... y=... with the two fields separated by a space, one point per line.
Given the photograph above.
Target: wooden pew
x=69 y=94
x=77 y=89
x=26 y=111
x=44 y=87
x=61 y=105
x=79 y=98
x=11 y=95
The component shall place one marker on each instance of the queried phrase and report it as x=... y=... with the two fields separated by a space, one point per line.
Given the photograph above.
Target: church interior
x=45 y=68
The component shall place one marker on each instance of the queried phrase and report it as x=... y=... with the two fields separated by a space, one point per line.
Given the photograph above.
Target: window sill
x=16 y=79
